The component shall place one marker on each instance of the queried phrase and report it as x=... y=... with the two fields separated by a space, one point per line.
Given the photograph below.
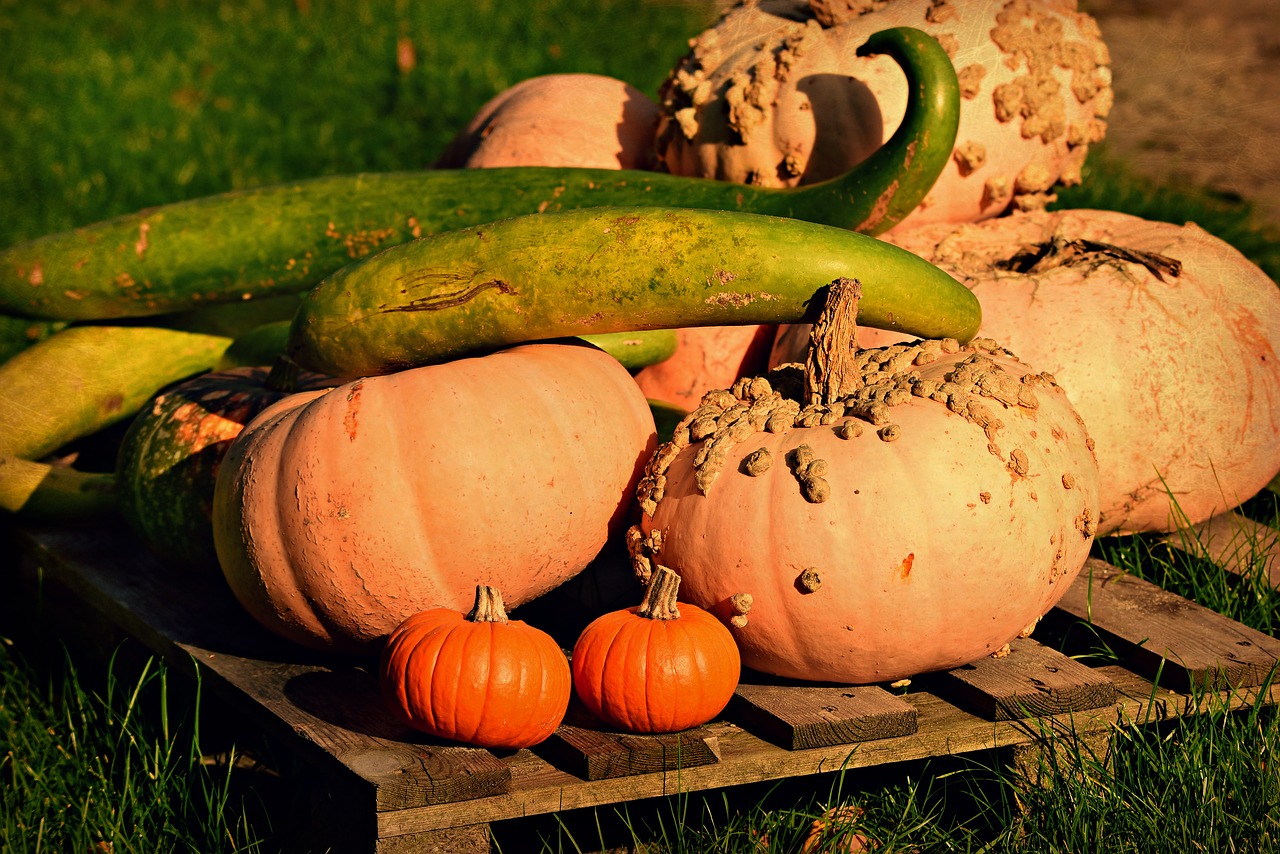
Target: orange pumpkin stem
x=488 y=607
x=831 y=369
x=660 y=599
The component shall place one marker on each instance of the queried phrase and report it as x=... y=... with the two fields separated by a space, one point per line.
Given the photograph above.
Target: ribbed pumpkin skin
x=645 y=675
x=931 y=550
x=502 y=685
x=338 y=517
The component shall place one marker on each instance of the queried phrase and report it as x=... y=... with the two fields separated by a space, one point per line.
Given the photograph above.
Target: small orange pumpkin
x=479 y=678
x=656 y=667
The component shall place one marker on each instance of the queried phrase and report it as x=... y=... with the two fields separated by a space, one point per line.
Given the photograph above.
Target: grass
x=116 y=770
x=106 y=108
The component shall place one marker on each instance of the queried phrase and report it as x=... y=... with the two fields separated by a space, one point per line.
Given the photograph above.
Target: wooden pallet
x=395 y=790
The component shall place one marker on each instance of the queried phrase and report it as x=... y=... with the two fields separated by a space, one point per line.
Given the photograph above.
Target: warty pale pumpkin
x=879 y=513
x=338 y=514
x=775 y=94
x=1165 y=338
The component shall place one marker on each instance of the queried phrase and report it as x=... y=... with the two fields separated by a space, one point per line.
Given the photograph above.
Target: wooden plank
x=802 y=716
x=1236 y=543
x=329 y=708
x=307 y=703
x=588 y=749
x=1162 y=634
x=1031 y=681
x=944 y=729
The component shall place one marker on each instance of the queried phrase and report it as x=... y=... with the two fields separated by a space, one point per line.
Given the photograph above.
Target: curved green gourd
x=597 y=270
x=285 y=238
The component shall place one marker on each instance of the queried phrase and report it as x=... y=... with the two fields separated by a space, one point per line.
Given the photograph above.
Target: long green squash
x=634 y=350
x=84 y=378
x=77 y=381
x=285 y=238
x=607 y=270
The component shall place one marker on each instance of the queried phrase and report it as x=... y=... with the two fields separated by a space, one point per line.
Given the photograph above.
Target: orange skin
x=338 y=516
x=488 y=683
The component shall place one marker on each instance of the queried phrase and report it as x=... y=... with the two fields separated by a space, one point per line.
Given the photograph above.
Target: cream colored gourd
x=774 y=94
x=928 y=506
x=1175 y=369
x=337 y=515
x=559 y=120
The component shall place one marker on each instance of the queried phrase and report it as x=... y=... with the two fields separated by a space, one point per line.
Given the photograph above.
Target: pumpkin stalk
x=660 y=599
x=488 y=607
x=831 y=369
x=283 y=376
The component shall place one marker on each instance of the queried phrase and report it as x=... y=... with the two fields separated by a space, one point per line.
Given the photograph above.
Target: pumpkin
x=479 y=678
x=875 y=514
x=656 y=667
x=338 y=514
x=774 y=94
x=706 y=357
x=169 y=458
x=1165 y=338
x=559 y=120
x=836 y=831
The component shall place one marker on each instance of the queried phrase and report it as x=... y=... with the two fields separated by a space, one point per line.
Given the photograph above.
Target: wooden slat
x=328 y=708
x=944 y=729
x=325 y=710
x=1159 y=632
x=803 y=716
x=1031 y=681
x=1236 y=543
x=587 y=749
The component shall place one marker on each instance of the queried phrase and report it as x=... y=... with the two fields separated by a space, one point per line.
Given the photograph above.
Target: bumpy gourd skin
x=774 y=95
x=1176 y=371
x=285 y=238
x=917 y=523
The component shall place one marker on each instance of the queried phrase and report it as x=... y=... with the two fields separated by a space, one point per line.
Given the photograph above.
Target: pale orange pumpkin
x=559 y=120
x=706 y=357
x=1166 y=339
x=337 y=516
x=910 y=509
x=775 y=94
x=479 y=678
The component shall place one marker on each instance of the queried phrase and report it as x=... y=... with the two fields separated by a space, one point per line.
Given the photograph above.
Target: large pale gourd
x=775 y=95
x=1166 y=339
x=337 y=516
x=910 y=512
x=559 y=120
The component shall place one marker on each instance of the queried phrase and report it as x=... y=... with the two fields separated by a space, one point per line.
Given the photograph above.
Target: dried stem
x=488 y=607
x=660 y=599
x=831 y=371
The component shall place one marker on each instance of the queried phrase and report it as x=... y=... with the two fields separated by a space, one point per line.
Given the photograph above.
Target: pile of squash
x=898 y=398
